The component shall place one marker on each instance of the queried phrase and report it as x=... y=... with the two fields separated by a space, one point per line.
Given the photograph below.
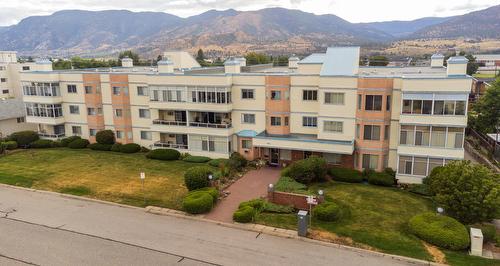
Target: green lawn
x=484 y=76
x=97 y=174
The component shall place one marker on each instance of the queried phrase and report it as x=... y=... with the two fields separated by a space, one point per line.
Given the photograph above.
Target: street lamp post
x=143 y=176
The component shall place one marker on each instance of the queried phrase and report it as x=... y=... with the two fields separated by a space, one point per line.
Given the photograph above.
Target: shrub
x=489 y=232
x=197 y=177
x=420 y=189
x=116 y=147
x=381 y=179
x=130 y=148
x=196 y=159
x=198 y=202
x=99 y=147
x=275 y=208
x=257 y=204
x=236 y=161
x=244 y=215
x=390 y=172
x=440 y=230
x=307 y=170
x=64 y=142
x=144 y=149
x=105 y=137
x=327 y=212
x=217 y=162
x=9 y=145
x=210 y=190
x=78 y=144
x=288 y=184
x=163 y=154
x=42 y=144
x=346 y=175
x=468 y=192
x=24 y=138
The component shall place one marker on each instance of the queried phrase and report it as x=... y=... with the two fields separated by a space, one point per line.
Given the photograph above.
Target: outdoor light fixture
x=210 y=177
x=440 y=210
x=271 y=185
x=320 y=192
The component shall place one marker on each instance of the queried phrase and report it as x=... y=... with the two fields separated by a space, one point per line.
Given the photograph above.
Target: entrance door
x=274 y=156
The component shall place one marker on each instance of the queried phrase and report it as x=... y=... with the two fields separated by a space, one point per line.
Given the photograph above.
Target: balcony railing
x=51 y=136
x=169 y=123
x=209 y=125
x=171 y=145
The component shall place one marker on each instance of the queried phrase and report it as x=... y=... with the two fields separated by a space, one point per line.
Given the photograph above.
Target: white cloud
x=12 y=11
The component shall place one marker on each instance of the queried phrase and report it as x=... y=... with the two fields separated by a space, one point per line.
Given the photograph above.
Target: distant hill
x=401 y=29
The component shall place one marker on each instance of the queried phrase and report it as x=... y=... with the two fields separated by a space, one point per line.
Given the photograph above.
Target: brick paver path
x=250 y=186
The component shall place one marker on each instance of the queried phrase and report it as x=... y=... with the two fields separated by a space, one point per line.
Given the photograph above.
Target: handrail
x=54 y=136
x=170 y=123
x=209 y=125
x=171 y=145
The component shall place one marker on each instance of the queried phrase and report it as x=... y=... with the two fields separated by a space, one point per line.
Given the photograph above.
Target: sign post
x=143 y=176
x=311 y=200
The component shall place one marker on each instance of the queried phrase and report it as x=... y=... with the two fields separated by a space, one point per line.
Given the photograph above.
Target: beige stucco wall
x=9 y=126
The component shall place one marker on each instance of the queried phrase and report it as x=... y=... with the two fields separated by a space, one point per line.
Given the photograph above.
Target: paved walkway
x=252 y=185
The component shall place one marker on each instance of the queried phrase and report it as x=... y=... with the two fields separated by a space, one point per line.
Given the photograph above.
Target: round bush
x=257 y=204
x=380 y=179
x=307 y=170
x=217 y=162
x=64 y=142
x=440 y=230
x=24 y=138
x=236 y=161
x=130 y=148
x=210 y=190
x=116 y=147
x=105 y=137
x=78 y=144
x=197 y=177
x=164 y=154
x=42 y=144
x=327 y=212
x=244 y=214
x=346 y=175
x=196 y=159
x=99 y=147
x=9 y=145
x=198 y=202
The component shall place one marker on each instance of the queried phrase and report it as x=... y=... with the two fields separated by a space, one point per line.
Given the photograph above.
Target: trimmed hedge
x=210 y=190
x=9 y=145
x=420 y=189
x=105 y=137
x=198 y=202
x=327 y=212
x=42 y=144
x=440 y=230
x=236 y=161
x=116 y=147
x=346 y=175
x=245 y=214
x=164 y=154
x=381 y=179
x=276 y=208
x=196 y=159
x=218 y=162
x=288 y=184
x=24 y=138
x=257 y=204
x=130 y=148
x=307 y=170
x=99 y=147
x=197 y=177
x=64 y=142
x=78 y=144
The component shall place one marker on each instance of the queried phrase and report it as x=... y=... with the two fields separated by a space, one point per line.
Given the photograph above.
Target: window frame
x=310 y=121
x=310 y=95
x=246 y=93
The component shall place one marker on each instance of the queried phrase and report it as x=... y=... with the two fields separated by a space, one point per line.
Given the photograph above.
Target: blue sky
x=12 y=11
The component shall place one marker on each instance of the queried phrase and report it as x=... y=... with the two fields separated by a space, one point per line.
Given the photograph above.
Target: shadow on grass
x=76 y=190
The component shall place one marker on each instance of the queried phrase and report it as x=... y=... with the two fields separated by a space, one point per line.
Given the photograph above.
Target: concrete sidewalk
x=250 y=186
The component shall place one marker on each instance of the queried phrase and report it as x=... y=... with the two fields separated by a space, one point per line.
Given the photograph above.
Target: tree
x=254 y=58
x=485 y=113
x=200 y=57
x=468 y=192
x=378 y=60
x=105 y=137
x=131 y=55
x=472 y=65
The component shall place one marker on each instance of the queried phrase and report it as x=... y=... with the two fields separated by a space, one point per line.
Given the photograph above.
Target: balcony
x=47 y=93
x=210 y=125
x=169 y=123
x=172 y=141
x=303 y=142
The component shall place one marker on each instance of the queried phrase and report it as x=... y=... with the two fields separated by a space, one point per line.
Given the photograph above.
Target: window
x=88 y=89
x=373 y=102
x=246 y=144
x=116 y=90
x=43 y=110
x=334 y=98
x=438 y=136
x=74 y=109
x=5 y=91
x=144 y=113
x=449 y=107
x=422 y=135
x=247 y=93
x=91 y=111
x=388 y=103
x=333 y=126
x=129 y=135
x=405 y=165
x=71 y=88
x=142 y=91
x=119 y=134
x=20 y=120
x=371 y=132
x=276 y=95
x=386 y=132
x=407 y=106
x=370 y=161
x=26 y=68
x=406 y=135
x=76 y=130
x=309 y=95
x=309 y=121
x=248 y=118
x=146 y=135
x=455 y=137
x=3 y=80
x=419 y=166
x=286 y=120
x=360 y=99
x=357 y=130
x=460 y=108
x=92 y=132
x=275 y=121
x=333 y=158
x=118 y=112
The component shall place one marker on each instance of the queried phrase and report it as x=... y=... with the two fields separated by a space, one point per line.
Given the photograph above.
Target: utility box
x=476 y=242
x=303 y=222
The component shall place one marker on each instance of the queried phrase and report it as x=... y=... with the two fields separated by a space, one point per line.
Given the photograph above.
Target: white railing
x=51 y=136
x=209 y=125
x=171 y=145
x=170 y=123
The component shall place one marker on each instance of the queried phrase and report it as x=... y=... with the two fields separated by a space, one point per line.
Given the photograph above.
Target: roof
x=341 y=61
x=437 y=56
x=247 y=133
x=165 y=62
x=11 y=108
x=458 y=60
x=313 y=59
x=487 y=56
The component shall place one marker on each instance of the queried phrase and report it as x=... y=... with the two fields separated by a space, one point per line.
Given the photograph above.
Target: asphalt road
x=49 y=229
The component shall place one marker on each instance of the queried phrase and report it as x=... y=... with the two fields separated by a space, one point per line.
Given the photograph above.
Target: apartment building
x=411 y=119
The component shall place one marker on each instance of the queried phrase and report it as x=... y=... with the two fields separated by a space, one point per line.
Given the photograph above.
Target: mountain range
x=78 y=32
